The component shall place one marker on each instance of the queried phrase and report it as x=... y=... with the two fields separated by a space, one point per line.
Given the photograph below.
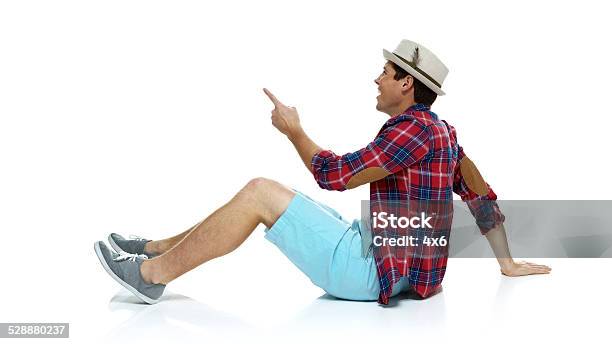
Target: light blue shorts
x=327 y=248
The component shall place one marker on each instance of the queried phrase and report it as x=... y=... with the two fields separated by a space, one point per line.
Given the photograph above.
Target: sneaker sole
x=119 y=280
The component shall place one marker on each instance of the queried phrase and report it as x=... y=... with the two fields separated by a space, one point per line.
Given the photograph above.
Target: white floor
x=476 y=305
x=256 y=293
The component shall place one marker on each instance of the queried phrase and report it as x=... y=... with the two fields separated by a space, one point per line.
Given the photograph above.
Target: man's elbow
x=332 y=186
x=370 y=174
x=353 y=184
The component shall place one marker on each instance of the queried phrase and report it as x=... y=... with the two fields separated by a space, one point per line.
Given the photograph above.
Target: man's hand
x=284 y=118
x=515 y=269
x=499 y=244
x=287 y=121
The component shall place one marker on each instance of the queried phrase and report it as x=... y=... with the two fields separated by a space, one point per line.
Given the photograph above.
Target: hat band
x=418 y=70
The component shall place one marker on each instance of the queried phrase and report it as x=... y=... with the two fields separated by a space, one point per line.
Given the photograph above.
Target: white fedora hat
x=420 y=63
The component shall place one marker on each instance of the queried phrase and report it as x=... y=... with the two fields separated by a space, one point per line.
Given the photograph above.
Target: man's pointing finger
x=272 y=97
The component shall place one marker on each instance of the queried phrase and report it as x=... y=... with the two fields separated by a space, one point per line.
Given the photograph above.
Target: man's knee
x=269 y=197
x=258 y=189
x=258 y=184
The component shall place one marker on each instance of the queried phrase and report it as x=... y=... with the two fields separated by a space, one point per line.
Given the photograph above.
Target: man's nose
x=376 y=81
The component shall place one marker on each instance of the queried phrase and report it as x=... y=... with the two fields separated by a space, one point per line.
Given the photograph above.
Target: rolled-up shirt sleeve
x=483 y=202
x=395 y=148
x=483 y=207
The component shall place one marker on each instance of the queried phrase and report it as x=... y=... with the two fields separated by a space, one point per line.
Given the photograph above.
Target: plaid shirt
x=421 y=153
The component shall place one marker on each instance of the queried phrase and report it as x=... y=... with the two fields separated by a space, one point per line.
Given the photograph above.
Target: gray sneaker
x=125 y=269
x=134 y=244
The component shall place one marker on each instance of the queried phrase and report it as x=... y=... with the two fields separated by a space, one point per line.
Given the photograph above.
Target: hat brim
x=393 y=58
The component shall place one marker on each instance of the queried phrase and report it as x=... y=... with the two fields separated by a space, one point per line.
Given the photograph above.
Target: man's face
x=392 y=91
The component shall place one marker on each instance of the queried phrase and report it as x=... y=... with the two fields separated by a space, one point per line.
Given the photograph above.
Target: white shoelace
x=136 y=237
x=131 y=256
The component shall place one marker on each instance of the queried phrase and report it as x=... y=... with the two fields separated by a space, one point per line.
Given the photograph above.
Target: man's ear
x=408 y=82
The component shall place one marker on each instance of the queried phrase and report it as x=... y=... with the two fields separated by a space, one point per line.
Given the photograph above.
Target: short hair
x=422 y=93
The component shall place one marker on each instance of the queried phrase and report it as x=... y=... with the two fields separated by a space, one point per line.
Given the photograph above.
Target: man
x=414 y=156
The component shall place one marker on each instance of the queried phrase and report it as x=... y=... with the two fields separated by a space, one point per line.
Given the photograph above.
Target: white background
x=144 y=116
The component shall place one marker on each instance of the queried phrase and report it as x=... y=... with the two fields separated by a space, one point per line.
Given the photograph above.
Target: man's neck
x=398 y=110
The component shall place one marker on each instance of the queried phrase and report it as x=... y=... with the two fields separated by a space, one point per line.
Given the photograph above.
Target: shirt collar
x=417 y=107
x=410 y=112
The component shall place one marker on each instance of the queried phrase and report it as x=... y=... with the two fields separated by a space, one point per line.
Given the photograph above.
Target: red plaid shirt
x=421 y=153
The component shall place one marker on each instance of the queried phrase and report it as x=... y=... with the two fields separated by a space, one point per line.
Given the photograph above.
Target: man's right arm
x=395 y=148
x=481 y=200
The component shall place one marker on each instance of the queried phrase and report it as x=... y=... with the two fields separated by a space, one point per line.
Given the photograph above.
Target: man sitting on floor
x=415 y=156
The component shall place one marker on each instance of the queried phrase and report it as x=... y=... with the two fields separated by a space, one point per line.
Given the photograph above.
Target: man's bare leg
x=260 y=201
x=160 y=246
